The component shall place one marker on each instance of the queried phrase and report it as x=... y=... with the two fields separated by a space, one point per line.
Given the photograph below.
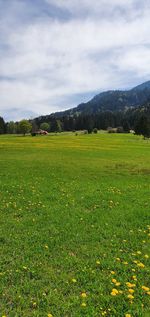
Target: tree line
x=137 y=119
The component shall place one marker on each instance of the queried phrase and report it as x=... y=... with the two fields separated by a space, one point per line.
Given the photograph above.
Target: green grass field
x=74 y=226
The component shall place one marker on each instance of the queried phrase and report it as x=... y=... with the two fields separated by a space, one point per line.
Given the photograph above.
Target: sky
x=55 y=54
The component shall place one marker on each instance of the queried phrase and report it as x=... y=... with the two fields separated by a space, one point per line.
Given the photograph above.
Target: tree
x=142 y=126
x=59 y=126
x=95 y=130
x=126 y=126
x=2 y=125
x=45 y=126
x=24 y=127
x=34 y=126
x=11 y=127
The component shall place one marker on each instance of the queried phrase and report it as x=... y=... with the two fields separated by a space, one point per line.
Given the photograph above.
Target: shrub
x=95 y=130
x=120 y=130
x=111 y=130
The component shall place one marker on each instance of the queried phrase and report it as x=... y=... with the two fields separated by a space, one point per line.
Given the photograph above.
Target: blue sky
x=55 y=54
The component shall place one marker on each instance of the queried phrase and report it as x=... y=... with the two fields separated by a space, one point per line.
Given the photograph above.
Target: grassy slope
x=67 y=203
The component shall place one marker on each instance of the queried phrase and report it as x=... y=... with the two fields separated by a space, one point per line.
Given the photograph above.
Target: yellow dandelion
x=114 y=281
x=127 y=315
x=148 y=293
x=141 y=265
x=118 y=259
x=118 y=284
x=120 y=292
x=74 y=280
x=126 y=263
x=134 y=277
x=131 y=291
x=46 y=246
x=98 y=262
x=112 y=272
x=114 y=292
x=145 y=288
x=130 y=296
x=146 y=256
x=83 y=295
x=83 y=304
x=139 y=252
x=49 y=315
x=130 y=285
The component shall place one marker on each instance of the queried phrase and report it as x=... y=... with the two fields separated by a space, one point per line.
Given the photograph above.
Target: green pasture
x=74 y=226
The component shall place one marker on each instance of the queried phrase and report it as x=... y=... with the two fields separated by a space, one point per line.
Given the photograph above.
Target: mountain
x=112 y=100
x=107 y=109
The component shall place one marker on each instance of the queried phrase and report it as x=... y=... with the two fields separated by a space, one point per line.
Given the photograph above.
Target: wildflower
x=146 y=256
x=127 y=315
x=130 y=290
x=114 y=292
x=148 y=293
x=98 y=262
x=126 y=263
x=130 y=296
x=83 y=295
x=134 y=277
x=139 y=252
x=130 y=284
x=83 y=304
x=118 y=259
x=46 y=246
x=118 y=284
x=140 y=264
x=112 y=272
x=145 y=288
x=49 y=315
x=74 y=280
x=120 y=292
x=114 y=281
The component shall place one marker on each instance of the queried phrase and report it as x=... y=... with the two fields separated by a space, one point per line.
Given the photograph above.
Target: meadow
x=74 y=226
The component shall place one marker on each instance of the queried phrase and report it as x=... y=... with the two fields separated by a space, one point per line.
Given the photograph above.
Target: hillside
x=112 y=101
x=108 y=109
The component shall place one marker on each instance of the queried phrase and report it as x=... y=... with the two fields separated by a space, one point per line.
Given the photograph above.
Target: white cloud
x=44 y=62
